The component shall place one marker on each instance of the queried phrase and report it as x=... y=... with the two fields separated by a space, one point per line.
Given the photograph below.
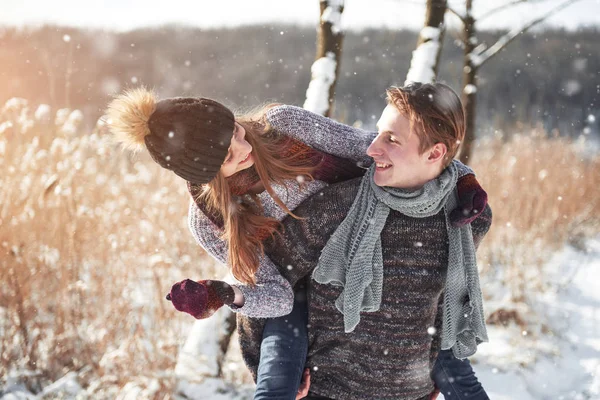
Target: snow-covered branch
x=333 y=15
x=322 y=77
x=321 y=89
x=424 y=57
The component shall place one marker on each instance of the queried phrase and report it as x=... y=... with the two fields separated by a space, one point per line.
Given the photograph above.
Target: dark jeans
x=456 y=379
x=283 y=353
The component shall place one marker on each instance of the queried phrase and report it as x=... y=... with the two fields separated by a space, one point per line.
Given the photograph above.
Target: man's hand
x=304 y=385
x=472 y=199
x=200 y=299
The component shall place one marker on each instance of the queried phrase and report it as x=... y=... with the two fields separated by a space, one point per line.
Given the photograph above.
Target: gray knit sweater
x=272 y=295
x=391 y=352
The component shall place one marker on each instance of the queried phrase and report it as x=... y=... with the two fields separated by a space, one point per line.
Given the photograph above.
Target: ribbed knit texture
x=190 y=136
x=390 y=353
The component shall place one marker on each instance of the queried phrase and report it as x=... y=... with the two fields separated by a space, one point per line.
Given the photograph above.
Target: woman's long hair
x=245 y=225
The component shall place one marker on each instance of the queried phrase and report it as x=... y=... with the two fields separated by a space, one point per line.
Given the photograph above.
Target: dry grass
x=545 y=193
x=91 y=241
x=90 y=244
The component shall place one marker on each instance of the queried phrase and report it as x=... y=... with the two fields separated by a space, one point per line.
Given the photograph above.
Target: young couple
x=354 y=250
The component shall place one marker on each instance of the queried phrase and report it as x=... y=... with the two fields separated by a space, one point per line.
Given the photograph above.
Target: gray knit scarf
x=352 y=258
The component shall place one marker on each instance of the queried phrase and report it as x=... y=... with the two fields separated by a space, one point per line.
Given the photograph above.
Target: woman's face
x=239 y=156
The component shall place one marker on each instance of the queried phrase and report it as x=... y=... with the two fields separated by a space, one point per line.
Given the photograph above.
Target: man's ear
x=437 y=152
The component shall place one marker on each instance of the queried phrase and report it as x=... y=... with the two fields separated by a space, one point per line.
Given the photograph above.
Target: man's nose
x=373 y=149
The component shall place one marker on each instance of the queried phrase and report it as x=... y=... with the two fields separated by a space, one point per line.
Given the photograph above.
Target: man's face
x=395 y=151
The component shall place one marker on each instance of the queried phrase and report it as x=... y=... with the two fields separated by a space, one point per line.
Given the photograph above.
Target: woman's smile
x=245 y=158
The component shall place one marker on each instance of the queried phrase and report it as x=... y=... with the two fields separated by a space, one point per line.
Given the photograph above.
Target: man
x=390 y=281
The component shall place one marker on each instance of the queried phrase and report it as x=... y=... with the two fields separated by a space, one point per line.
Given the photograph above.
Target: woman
x=245 y=175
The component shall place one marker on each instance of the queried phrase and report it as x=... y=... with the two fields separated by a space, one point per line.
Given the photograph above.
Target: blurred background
x=92 y=238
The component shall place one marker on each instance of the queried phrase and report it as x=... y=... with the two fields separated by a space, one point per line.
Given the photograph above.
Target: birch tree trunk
x=324 y=71
x=426 y=57
x=469 y=90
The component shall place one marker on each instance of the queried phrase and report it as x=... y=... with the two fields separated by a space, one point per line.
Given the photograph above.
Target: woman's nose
x=240 y=147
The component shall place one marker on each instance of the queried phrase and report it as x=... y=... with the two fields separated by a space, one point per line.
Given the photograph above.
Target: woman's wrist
x=239 y=299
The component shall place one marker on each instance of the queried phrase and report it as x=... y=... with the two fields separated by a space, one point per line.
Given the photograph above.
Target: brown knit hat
x=187 y=135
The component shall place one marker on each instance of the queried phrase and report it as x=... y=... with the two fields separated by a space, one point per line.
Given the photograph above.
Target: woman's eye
x=392 y=139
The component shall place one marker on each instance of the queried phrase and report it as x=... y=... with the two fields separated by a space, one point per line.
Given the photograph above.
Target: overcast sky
x=130 y=14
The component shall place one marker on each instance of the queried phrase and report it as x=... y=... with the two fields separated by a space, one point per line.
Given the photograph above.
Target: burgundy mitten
x=200 y=299
x=472 y=199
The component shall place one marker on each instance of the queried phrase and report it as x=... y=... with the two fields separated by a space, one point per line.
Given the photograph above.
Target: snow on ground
x=561 y=363
x=565 y=364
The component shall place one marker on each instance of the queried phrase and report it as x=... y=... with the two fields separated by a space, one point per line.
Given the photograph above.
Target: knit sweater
x=391 y=352
x=272 y=295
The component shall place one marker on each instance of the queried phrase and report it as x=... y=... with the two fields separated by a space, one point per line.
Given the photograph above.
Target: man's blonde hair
x=435 y=113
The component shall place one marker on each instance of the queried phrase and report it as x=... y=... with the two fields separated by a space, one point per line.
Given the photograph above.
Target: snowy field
x=514 y=365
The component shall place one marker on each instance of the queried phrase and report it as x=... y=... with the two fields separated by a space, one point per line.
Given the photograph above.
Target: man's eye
x=392 y=139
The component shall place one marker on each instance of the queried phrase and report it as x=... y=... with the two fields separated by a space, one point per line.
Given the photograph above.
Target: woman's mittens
x=472 y=200
x=200 y=299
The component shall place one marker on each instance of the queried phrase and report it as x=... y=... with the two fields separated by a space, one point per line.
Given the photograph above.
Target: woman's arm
x=330 y=136
x=272 y=296
x=322 y=133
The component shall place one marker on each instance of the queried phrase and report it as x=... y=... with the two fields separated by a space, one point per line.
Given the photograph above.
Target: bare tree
x=324 y=71
x=476 y=55
x=426 y=57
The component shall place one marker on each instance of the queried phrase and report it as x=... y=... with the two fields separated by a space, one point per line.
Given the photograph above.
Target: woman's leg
x=456 y=379
x=283 y=353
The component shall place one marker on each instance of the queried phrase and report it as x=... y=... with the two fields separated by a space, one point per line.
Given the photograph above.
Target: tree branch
x=459 y=15
x=479 y=59
x=500 y=8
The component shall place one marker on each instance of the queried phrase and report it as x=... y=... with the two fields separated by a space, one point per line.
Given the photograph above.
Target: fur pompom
x=128 y=116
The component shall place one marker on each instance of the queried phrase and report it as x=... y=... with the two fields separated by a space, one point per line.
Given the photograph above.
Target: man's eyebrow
x=386 y=131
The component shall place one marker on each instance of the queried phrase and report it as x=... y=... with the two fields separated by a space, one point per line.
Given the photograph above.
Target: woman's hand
x=200 y=299
x=472 y=200
x=304 y=385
